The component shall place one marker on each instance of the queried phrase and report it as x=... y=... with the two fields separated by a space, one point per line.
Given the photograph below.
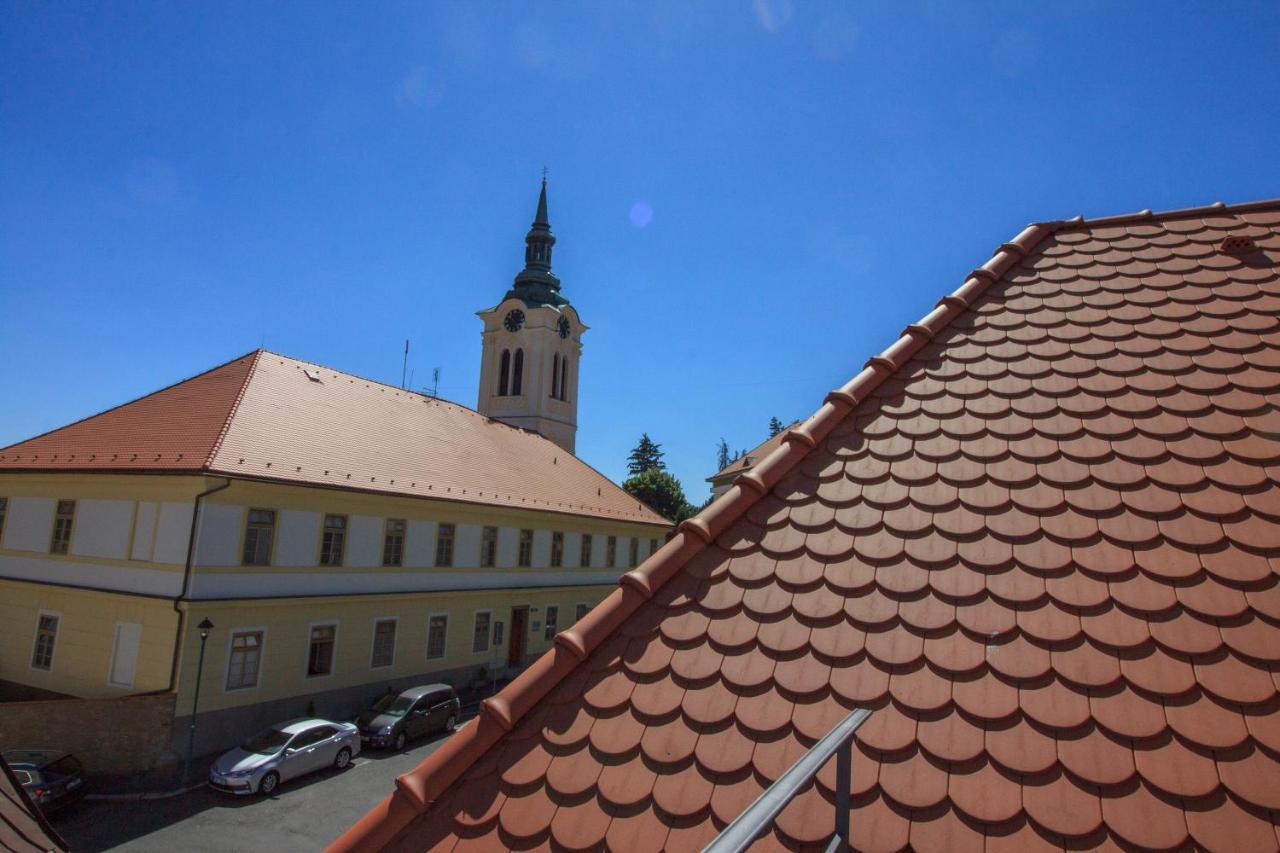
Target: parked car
x=54 y=779
x=414 y=712
x=283 y=752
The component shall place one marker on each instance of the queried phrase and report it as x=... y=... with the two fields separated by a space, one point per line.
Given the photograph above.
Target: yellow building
x=343 y=536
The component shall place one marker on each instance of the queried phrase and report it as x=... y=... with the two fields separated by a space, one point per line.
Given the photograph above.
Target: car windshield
x=67 y=765
x=268 y=742
x=393 y=706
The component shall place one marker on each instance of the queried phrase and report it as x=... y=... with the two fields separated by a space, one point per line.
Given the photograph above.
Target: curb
x=147 y=795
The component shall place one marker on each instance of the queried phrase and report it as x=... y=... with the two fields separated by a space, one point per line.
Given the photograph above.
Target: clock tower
x=532 y=342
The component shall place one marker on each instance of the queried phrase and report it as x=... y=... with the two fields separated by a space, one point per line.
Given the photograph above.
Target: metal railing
x=758 y=816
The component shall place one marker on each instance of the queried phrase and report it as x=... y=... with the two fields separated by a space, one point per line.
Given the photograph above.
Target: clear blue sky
x=750 y=198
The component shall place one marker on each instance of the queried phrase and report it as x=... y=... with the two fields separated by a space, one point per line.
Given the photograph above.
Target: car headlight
x=385 y=730
x=239 y=774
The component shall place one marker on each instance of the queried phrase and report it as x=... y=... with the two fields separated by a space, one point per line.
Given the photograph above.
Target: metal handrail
x=757 y=817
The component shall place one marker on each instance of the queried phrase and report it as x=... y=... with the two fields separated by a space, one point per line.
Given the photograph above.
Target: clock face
x=563 y=326
x=514 y=320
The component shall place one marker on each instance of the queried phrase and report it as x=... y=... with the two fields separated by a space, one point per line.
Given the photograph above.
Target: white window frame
x=35 y=638
x=262 y=655
x=488 y=634
x=444 y=648
x=585 y=607
x=306 y=663
x=373 y=641
x=549 y=630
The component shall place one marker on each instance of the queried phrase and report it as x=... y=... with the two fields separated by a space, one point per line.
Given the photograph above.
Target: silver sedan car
x=282 y=752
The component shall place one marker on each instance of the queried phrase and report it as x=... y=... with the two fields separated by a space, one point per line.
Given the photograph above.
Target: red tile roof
x=748 y=459
x=263 y=417
x=1038 y=536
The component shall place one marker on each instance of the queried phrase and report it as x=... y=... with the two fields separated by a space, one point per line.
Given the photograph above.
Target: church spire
x=536 y=284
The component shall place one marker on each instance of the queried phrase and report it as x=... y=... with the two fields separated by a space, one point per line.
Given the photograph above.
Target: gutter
x=186 y=585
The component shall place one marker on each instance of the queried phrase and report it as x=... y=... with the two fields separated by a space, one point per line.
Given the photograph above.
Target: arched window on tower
x=564 y=378
x=555 y=376
x=517 y=373
x=504 y=372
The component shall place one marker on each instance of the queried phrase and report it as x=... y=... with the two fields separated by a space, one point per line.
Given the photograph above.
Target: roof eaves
x=1217 y=208
x=420 y=787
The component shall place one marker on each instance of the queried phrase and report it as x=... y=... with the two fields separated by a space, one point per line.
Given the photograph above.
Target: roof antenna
x=435 y=383
x=405 y=367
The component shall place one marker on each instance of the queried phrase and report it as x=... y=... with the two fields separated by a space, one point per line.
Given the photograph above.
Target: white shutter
x=124 y=653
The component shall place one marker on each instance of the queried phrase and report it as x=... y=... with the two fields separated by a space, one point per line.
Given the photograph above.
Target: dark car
x=52 y=778
x=414 y=712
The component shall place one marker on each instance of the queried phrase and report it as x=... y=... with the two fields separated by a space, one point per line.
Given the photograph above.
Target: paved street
x=306 y=813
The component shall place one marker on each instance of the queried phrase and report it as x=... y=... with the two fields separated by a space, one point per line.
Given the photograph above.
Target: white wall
x=218 y=540
x=598 y=546
x=572 y=548
x=508 y=547
x=297 y=538
x=144 y=530
x=102 y=528
x=466 y=545
x=364 y=541
x=28 y=524
x=420 y=544
x=174 y=533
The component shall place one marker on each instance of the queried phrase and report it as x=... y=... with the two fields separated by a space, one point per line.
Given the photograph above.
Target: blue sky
x=750 y=198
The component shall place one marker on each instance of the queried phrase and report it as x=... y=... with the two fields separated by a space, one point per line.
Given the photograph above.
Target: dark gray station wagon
x=415 y=712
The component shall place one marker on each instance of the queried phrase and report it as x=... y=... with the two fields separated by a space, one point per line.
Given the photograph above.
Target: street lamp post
x=204 y=627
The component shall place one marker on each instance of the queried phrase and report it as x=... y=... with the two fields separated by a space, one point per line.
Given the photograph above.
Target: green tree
x=661 y=491
x=722 y=455
x=647 y=456
x=775 y=426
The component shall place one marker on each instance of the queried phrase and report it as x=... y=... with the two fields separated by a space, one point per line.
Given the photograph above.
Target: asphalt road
x=305 y=814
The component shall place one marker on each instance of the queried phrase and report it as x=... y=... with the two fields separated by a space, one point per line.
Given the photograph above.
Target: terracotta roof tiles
x=1037 y=536
x=269 y=417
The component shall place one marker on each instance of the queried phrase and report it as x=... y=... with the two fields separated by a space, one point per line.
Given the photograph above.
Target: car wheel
x=269 y=783
x=343 y=761
x=451 y=723
x=399 y=743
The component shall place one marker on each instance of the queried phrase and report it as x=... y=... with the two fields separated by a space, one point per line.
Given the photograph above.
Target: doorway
x=519 y=636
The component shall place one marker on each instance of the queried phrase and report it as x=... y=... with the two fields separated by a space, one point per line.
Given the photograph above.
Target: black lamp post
x=204 y=627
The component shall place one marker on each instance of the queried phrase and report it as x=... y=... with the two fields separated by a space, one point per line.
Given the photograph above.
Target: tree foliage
x=647 y=456
x=661 y=491
x=775 y=426
x=722 y=455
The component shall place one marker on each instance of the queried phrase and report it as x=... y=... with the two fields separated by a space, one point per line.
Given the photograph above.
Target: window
x=4 y=505
x=564 y=376
x=580 y=611
x=497 y=634
x=584 y=558
x=634 y=552
x=653 y=546
x=555 y=376
x=557 y=549
x=437 y=629
x=393 y=543
x=384 y=643
x=245 y=659
x=517 y=373
x=553 y=618
x=504 y=372
x=62 y=527
x=258 y=532
x=46 y=636
x=489 y=547
x=480 y=639
x=526 y=549
x=333 y=539
x=320 y=655
x=611 y=552
x=444 y=545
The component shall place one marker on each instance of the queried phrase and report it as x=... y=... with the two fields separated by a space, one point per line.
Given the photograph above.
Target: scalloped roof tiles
x=262 y=417
x=1039 y=537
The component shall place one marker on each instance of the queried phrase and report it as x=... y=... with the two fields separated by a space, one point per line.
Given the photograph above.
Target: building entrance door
x=519 y=636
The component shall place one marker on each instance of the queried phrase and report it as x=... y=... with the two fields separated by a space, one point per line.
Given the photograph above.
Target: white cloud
x=420 y=88
x=773 y=14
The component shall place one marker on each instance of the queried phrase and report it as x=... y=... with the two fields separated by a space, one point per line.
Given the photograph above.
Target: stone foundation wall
x=129 y=735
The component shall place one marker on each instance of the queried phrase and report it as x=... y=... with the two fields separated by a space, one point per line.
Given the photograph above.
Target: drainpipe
x=186 y=586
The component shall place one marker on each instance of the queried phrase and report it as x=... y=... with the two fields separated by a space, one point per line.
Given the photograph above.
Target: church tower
x=532 y=342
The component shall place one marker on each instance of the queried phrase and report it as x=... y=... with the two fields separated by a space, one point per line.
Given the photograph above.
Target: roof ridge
x=1147 y=215
x=418 y=789
x=130 y=402
x=235 y=407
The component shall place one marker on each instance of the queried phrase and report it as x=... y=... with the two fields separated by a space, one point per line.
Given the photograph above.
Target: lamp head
x=205 y=627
